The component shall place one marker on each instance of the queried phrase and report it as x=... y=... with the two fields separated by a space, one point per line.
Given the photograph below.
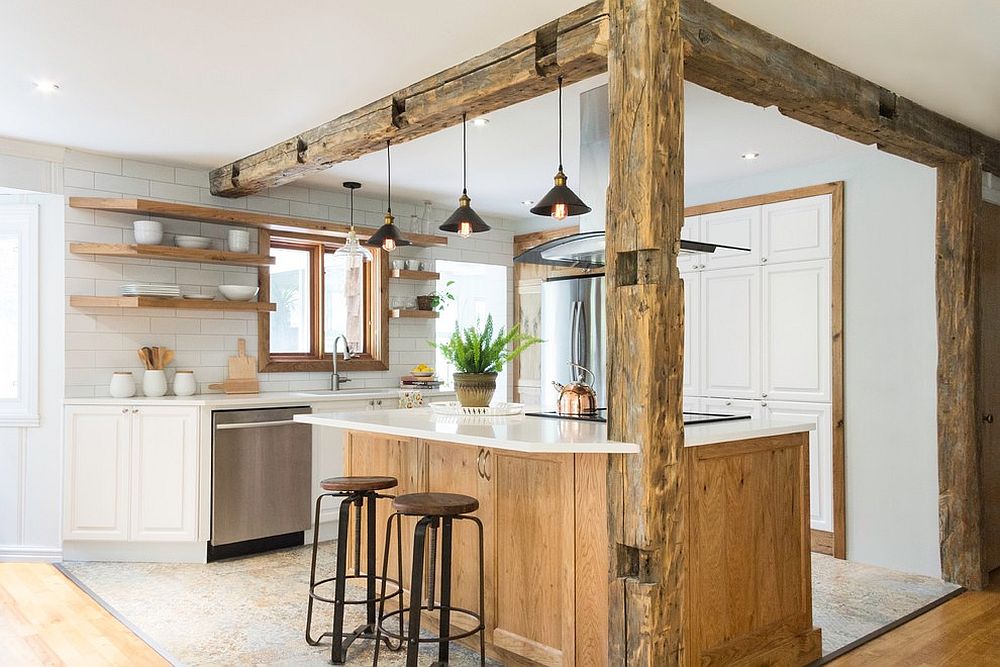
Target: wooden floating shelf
x=172 y=253
x=404 y=274
x=424 y=314
x=237 y=217
x=78 y=301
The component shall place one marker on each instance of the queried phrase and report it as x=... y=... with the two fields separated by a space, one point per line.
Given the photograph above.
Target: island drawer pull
x=486 y=460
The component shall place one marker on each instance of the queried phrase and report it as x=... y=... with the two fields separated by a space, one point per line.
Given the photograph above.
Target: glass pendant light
x=560 y=201
x=387 y=236
x=355 y=253
x=465 y=221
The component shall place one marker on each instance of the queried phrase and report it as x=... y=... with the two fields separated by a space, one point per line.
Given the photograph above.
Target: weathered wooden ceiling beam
x=575 y=46
x=729 y=55
x=721 y=52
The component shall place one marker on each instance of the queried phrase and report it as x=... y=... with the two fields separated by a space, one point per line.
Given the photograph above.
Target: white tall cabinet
x=758 y=324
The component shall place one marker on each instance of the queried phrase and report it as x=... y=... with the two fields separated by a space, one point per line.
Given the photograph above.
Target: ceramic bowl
x=199 y=242
x=238 y=292
x=148 y=232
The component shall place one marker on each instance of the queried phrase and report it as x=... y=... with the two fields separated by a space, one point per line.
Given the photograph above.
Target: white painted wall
x=890 y=347
x=31 y=458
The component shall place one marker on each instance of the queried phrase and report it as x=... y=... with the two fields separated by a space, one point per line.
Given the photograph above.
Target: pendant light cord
x=464 y=158
x=388 y=172
x=352 y=209
x=560 y=79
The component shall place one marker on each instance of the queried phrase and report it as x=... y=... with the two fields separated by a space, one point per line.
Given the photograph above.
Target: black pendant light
x=387 y=236
x=464 y=221
x=560 y=201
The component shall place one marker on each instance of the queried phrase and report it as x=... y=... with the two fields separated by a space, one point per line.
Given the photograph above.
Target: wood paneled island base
x=548 y=558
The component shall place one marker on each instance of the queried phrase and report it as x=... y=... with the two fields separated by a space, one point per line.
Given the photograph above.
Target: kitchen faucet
x=335 y=377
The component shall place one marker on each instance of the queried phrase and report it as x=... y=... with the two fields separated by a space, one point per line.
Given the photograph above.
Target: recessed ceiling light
x=480 y=122
x=46 y=86
x=528 y=202
x=750 y=156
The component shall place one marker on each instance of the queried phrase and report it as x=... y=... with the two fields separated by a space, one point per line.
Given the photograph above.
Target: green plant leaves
x=480 y=351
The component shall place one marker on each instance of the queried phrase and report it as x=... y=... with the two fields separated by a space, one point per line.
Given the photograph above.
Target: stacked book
x=419 y=382
x=150 y=289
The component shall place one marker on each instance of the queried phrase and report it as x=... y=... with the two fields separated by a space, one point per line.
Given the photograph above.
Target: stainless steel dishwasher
x=261 y=480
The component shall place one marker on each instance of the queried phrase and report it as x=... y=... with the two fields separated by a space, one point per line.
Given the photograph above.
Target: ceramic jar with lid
x=185 y=384
x=154 y=383
x=122 y=385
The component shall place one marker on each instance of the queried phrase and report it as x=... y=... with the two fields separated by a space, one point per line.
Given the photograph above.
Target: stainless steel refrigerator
x=574 y=330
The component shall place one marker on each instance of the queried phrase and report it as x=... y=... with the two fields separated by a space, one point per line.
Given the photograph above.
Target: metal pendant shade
x=560 y=201
x=388 y=236
x=355 y=253
x=464 y=221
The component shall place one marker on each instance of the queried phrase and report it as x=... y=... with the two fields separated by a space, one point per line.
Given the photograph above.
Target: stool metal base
x=341 y=640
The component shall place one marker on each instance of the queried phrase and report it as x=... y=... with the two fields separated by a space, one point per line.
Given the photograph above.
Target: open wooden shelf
x=404 y=274
x=172 y=253
x=78 y=301
x=237 y=217
x=425 y=314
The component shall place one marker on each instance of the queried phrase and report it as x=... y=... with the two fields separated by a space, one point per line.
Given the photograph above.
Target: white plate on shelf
x=199 y=297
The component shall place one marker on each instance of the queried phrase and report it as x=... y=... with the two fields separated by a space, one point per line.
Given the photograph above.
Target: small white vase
x=154 y=383
x=122 y=385
x=184 y=383
x=238 y=240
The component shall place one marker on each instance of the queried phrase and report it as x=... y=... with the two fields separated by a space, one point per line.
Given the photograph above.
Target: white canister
x=184 y=383
x=122 y=385
x=413 y=264
x=154 y=383
x=239 y=240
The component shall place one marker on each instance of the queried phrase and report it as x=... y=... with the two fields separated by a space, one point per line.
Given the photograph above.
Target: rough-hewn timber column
x=959 y=199
x=646 y=332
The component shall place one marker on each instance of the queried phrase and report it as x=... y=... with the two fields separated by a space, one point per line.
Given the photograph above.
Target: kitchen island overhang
x=544 y=497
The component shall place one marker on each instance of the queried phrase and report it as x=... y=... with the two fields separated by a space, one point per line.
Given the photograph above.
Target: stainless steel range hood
x=587 y=249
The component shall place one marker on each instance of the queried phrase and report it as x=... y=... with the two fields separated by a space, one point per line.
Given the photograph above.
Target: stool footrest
x=430 y=640
x=378 y=598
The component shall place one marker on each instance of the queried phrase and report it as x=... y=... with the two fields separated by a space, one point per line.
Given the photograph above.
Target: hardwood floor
x=964 y=631
x=45 y=619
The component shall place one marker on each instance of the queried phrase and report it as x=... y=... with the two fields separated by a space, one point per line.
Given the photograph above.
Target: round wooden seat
x=435 y=504
x=358 y=483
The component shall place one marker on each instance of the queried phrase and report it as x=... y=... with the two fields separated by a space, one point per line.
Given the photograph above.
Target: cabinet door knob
x=763 y=395
x=763 y=260
x=135 y=411
x=124 y=411
x=764 y=403
x=380 y=402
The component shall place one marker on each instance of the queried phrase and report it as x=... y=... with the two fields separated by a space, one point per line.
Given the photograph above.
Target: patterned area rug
x=252 y=610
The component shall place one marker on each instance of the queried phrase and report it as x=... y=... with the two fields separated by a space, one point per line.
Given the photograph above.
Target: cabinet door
x=796 y=230
x=692 y=333
x=739 y=227
x=820 y=456
x=796 y=331
x=378 y=455
x=533 y=496
x=690 y=231
x=95 y=499
x=164 y=490
x=461 y=469
x=730 y=333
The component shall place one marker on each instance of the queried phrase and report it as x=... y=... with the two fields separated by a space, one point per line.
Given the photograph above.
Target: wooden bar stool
x=361 y=493
x=436 y=510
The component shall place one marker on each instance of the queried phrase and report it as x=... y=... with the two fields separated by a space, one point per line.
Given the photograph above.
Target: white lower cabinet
x=131 y=473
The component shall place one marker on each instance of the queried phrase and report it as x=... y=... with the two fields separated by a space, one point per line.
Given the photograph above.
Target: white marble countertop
x=536 y=434
x=271 y=398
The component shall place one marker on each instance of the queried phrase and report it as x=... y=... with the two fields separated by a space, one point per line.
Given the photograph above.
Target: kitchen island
x=542 y=488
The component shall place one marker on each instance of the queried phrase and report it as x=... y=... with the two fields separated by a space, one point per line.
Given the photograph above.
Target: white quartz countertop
x=535 y=434
x=263 y=399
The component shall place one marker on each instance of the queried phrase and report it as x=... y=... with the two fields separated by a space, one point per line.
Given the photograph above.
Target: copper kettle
x=577 y=398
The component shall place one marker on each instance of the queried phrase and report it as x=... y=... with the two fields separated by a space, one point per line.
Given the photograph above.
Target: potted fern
x=478 y=355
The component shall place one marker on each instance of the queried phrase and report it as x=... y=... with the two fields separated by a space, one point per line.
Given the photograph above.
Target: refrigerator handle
x=581 y=341
x=574 y=332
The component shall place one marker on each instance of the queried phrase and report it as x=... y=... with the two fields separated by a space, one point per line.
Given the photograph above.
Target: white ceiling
x=200 y=83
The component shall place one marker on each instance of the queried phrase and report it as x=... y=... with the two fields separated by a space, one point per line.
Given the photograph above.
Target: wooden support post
x=646 y=509
x=959 y=199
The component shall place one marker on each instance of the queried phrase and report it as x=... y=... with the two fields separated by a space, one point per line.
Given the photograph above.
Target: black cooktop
x=599 y=416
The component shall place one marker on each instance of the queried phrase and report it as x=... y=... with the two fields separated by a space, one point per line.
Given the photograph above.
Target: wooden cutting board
x=242 y=373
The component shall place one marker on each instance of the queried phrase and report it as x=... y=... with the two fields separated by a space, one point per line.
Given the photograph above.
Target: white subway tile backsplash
x=148 y=171
x=124 y=184
x=99 y=341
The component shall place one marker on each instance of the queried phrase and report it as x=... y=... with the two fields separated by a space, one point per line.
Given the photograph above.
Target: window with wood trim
x=319 y=297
